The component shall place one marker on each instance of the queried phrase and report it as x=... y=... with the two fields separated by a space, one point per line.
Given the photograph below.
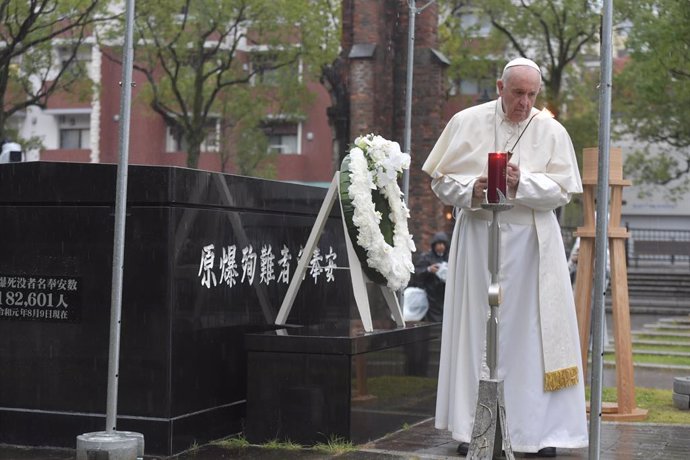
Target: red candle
x=497 y=176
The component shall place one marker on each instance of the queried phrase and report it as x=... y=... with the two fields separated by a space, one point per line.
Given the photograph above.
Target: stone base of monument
x=110 y=445
x=316 y=384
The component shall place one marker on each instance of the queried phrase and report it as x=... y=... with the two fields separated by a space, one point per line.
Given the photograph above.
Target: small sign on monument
x=40 y=298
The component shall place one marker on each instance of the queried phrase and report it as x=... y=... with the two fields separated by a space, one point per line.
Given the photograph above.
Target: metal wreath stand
x=490 y=430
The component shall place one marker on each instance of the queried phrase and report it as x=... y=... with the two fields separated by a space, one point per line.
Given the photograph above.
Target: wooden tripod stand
x=625 y=409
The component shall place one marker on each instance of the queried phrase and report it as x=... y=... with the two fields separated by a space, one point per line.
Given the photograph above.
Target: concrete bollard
x=681 y=392
x=115 y=445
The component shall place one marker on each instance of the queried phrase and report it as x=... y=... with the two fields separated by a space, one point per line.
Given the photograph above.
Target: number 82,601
x=31 y=299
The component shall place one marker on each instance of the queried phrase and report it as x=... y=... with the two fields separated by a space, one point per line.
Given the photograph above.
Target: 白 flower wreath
x=374 y=210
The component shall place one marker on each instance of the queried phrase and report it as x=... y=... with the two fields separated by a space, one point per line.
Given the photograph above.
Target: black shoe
x=463 y=448
x=547 y=452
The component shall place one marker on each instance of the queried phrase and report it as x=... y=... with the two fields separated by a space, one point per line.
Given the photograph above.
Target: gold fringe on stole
x=561 y=378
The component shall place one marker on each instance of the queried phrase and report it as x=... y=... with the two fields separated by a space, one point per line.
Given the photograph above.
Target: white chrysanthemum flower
x=405 y=163
x=357 y=151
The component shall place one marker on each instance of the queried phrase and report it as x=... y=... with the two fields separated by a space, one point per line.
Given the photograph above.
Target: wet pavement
x=618 y=441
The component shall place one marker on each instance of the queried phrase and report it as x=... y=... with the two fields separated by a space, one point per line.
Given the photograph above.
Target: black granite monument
x=208 y=258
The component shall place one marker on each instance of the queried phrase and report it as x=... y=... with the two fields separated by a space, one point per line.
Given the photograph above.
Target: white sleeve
x=539 y=192
x=455 y=193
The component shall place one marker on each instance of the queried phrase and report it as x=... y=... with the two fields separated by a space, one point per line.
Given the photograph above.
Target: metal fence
x=661 y=246
x=648 y=246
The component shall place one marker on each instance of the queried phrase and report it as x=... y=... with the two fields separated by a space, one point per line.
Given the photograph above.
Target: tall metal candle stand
x=490 y=430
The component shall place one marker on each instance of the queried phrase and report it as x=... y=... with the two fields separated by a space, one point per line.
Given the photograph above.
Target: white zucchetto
x=522 y=61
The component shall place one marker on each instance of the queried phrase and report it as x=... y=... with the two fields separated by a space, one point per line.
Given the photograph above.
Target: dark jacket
x=430 y=282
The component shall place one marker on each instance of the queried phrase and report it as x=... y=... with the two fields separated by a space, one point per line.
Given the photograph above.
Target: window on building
x=269 y=70
x=176 y=142
x=283 y=137
x=474 y=86
x=80 y=59
x=474 y=22
x=75 y=131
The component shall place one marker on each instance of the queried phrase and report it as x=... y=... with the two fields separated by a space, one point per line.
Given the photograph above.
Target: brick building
x=363 y=92
x=375 y=44
x=75 y=129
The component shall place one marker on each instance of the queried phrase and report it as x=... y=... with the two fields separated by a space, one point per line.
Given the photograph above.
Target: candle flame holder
x=497 y=169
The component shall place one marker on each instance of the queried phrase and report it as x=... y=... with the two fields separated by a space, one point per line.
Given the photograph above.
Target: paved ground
x=619 y=441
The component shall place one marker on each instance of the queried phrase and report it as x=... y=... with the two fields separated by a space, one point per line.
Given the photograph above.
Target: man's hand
x=480 y=186
x=512 y=177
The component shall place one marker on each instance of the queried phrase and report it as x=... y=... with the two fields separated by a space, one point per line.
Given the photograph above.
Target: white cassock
x=538 y=350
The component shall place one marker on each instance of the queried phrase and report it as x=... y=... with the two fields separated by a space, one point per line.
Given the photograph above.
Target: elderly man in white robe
x=538 y=357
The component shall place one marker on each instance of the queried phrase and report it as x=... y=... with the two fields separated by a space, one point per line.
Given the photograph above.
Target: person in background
x=430 y=275
x=538 y=351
